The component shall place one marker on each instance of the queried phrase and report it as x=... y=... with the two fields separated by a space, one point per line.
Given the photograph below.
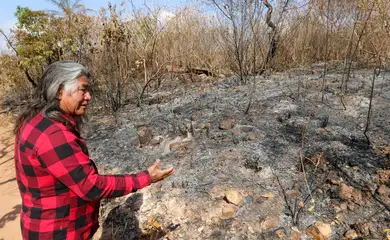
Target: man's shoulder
x=41 y=125
x=45 y=124
x=38 y=129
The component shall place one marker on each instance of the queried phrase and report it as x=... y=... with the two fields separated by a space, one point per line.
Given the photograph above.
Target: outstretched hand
x=157 y=174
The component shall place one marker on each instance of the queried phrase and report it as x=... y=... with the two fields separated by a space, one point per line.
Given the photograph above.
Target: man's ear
x=59 y=92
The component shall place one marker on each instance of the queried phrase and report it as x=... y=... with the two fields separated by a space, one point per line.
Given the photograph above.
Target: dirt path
x=10 y=202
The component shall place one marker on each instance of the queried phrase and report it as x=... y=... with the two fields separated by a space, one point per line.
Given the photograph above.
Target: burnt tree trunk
x=274 y=39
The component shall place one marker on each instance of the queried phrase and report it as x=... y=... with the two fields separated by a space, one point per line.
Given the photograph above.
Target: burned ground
x=294 y=159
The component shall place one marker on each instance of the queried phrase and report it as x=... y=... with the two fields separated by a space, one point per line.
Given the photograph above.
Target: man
x=60 y=186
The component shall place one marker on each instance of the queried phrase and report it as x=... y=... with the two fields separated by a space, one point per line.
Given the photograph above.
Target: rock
x=319 y=230
x=212 y=213
x=246 y=128
x=383 y=191
x=343 y=206
x=202 y=130
x=370 y=188
x=228 y=210
x=267 y=195
x=336 y=181
x=383 y=175
x=176 y=209
x=144 y=135
x=226 y=124
x=292 y=193
x=357 y=196
x=345 y=191
x=338 y=207
x=267 y=223
x=350 y=235
x=217 y=191
x=280 y=233
x=204 y=126
x=351 y=206
x=156 y=140
x=362 y=228
x=196 y=116
x=233 y=196
x=251 y=137
x=295 y=234
x=181 y=147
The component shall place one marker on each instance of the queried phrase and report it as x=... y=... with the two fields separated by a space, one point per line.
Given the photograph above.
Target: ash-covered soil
x=294 y=167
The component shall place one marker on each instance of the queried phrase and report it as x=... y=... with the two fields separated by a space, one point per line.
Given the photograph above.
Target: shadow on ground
x=11 y=216
x=122 y=222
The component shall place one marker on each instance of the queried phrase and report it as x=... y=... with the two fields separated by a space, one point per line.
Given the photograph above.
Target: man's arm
x=62 y=156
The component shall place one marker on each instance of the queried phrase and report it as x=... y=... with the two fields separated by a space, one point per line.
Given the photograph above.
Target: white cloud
x=164 y=17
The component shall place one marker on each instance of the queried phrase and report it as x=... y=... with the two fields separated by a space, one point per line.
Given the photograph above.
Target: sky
x=8 y=8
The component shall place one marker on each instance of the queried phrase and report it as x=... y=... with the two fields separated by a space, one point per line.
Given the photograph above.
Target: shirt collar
x=68 y=117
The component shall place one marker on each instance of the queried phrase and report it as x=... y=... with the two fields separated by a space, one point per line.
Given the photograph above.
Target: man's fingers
x=168 y=171
x=156 y=163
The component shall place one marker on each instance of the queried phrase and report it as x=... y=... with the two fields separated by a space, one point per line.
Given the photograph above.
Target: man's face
x=76 y=103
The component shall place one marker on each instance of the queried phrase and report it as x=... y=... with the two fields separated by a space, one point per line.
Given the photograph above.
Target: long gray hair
x=61 y=74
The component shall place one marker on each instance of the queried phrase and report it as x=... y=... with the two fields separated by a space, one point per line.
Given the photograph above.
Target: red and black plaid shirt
x=59 y=185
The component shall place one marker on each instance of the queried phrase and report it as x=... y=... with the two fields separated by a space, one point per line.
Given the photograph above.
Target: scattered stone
x=196 y=115
x=280 y=233
x=217 y=191
x=295 y=234
x=268 y=223
x=292 y=193
x=343 y=206
x=204 y=126
x=345 y=191
x=251 y=137
x=351 y=235
x=319 y=230
x=339 y=206
x=267 y=195
x=144 y=135
x=180 y=147
x=336 y=181
x=362 y=228
x=213 y=213
x=383 y=191
x=233 y=196
x=226 y=124
x=357 y=197
x=370 y=188
x=383 y=176
x=246 y=128
x=156 y=140
x=228 y=210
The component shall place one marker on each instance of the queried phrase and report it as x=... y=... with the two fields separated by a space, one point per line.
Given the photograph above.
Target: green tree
x=36 y=38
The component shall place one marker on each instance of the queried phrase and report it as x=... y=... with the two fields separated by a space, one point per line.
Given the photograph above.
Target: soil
x=9 y=198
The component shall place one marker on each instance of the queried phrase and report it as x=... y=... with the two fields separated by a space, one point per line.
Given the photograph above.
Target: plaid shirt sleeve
x=65 y=157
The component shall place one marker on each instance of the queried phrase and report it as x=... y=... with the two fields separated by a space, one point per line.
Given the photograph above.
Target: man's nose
x=87 y=96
